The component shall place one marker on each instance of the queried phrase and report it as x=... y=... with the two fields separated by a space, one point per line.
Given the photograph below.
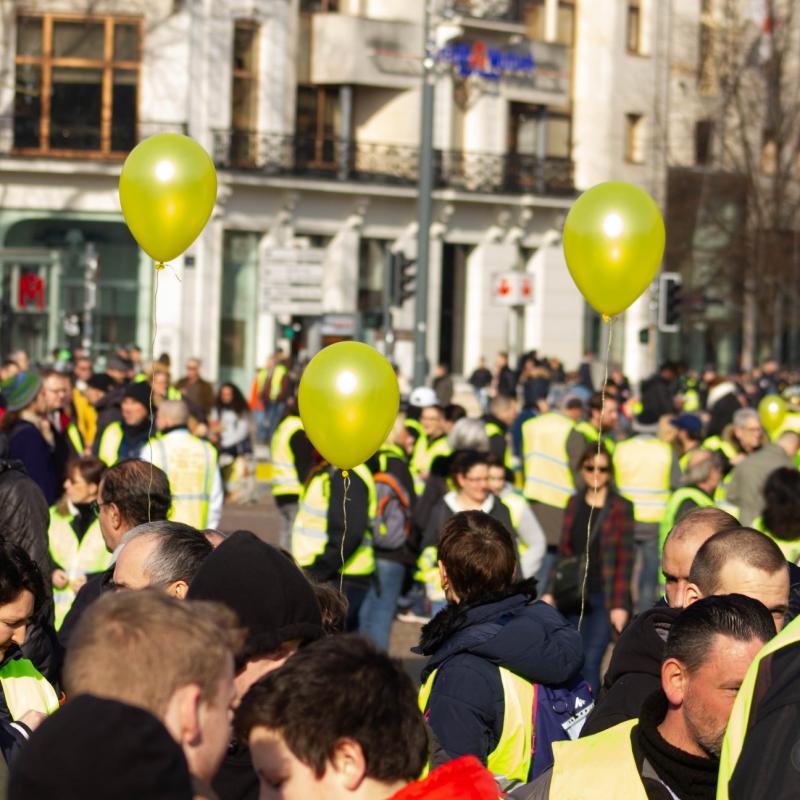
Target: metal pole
x=424 y=203
x=90 y=296
x=388 y=329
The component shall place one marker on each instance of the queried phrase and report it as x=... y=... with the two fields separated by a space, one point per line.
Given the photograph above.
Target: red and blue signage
x=491 y=63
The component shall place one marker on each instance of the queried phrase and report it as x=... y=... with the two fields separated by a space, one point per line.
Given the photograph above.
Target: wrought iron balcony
x=389 y=165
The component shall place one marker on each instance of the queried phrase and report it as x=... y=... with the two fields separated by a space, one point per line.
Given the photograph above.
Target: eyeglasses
x=95 y=506
x=590 y=468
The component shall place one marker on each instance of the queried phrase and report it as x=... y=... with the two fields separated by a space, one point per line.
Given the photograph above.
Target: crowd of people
x=597 y=572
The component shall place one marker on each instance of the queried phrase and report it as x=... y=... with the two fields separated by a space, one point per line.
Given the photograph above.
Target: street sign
x=512 y=288
x=291 y=281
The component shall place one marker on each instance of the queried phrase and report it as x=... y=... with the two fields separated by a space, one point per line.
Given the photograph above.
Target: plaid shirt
x=617 y=547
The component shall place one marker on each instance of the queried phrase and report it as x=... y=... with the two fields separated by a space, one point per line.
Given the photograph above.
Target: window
x=531 y=14
x=244 y=93
x=77 y=85
x=634 y=27
x=317 y=125
x=703 y=137
x=634 y=138
x=565 y=30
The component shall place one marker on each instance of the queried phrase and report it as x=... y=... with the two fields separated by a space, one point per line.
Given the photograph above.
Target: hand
x=76 y=584
x=548 y=598
x=619 y=618
x=33 y=719
x=60 y=579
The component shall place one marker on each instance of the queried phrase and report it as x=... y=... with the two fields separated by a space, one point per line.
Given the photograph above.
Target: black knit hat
x=271 y=596
x=100 y=749
x=140 y=392
x=101 y=381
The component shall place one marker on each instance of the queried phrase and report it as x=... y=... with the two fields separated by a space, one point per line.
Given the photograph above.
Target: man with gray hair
x=703 y=476
x=191 y=466
x=746 y=486
x=162 y=555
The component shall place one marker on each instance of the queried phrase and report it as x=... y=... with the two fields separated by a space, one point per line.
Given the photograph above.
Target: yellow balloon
x=348 y=401
x=167 y=190
x=772 y=410
x=613 y=243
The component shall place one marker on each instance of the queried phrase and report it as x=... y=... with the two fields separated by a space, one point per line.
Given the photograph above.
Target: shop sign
x=30 y=292
x=512 y=288
x=491 y=63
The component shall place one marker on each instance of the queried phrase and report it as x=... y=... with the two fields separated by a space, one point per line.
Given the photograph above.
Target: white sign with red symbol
x=512 y=288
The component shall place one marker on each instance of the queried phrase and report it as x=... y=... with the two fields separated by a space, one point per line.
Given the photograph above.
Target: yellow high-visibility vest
x=700 y=498
x=510 y=761
x=599 y=767
x=548 y=478
x=110 y=442
x=423 y=456
x=26 y=689
x=284 y=471
x=643 y=468
x=74 y=436
x=75 y=557
x=493 y=429
x=740 y=714
x=310 y=528
x=190 y=464
x=591 y=434
x=275 y=382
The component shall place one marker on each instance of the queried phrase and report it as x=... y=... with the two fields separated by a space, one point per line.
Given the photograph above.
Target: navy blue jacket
x=467 y=643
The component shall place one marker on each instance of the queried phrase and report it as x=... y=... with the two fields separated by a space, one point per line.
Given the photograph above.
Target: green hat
x=21 y=390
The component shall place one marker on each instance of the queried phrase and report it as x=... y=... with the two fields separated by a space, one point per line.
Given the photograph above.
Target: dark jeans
x=355 y=592
x=377 y=610
x=595 y=635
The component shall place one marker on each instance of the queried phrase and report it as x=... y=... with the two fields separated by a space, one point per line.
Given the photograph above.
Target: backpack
x=392 y=523
x=559 y=713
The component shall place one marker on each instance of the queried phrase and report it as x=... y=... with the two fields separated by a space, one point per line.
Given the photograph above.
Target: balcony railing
x=516 y=11
x=389 y=165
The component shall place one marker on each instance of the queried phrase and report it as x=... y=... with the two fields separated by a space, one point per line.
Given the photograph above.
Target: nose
x=19 y=634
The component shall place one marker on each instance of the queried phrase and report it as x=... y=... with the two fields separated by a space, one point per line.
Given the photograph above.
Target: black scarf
x=689 y=777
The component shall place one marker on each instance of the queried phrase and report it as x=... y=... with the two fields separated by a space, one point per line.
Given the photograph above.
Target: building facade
x=311 y=112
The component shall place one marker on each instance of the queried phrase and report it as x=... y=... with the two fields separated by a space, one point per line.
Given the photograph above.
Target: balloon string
x=152 y=379
x=346 y=477
x=594 y=472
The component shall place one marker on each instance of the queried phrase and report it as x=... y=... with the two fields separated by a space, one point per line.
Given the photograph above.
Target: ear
x=182 y=716
x=349 y=764
x=691 y=595
x=673 y=681
x=178 y=589
x=116 y=517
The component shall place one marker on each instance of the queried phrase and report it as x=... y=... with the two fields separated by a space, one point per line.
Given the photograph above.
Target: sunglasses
x=589 y=468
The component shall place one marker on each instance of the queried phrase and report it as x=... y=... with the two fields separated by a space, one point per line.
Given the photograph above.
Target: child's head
x=337 y=714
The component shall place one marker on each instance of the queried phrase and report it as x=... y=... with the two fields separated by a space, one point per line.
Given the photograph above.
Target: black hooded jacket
x=468 y=642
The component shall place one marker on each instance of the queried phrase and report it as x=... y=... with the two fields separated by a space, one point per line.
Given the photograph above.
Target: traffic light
x=404 y=278
x=669 y=302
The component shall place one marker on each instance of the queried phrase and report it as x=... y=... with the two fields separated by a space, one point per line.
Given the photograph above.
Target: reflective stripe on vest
x=310 y=528
x=510 y=761
x=740 y=715
x=189 y=463
x=700 y=498
x=388 y=451
x=74 y=436
x=76 y=558
x=275 y=382
x=422 y=459
x=548 y=478
x=26 y=689
x=789 y=547
x=599 y=767
x=643 y=467
x=284 y=472
x=110 y=442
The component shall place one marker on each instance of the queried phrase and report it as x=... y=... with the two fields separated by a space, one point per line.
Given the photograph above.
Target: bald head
x=683 y=542
x=789 y=441
x=741 y=561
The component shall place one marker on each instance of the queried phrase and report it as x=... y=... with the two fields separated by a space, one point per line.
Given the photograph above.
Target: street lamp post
x=90 y=295
x=424 y=200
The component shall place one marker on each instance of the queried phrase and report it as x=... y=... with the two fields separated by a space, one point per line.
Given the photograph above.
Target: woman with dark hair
x=230 y=426
x=607 y=571
x=469 y=475
x=780 y=519
x=77 y=548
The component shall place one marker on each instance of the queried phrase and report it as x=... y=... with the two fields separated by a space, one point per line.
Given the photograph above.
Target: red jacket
x=463 y=779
